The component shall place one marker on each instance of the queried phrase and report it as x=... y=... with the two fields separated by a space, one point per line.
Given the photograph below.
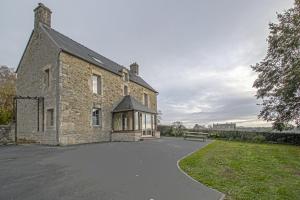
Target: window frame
x=146 y=99
x=99 y=84
x=127 y=90
x=50 y=123
x=126 y=76
x=47 y=77
x=99 y=117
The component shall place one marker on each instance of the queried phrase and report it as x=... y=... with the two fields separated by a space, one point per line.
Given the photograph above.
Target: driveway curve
x=144 y=170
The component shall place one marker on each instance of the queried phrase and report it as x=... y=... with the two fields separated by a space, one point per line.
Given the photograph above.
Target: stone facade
x=4 y=133
x=78 y=100
x=40 y=54
x=64 y=81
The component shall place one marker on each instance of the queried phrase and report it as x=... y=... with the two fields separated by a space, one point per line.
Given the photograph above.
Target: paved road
x=106 y=171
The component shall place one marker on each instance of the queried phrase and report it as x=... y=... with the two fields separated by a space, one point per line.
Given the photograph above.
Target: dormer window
x=125 y=90
x=97 y=60
x=126 y=76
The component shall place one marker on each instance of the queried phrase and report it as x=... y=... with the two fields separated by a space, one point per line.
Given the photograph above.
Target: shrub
x=259 y=138
x=274 y=137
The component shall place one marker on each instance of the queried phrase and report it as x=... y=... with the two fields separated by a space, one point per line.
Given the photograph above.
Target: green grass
x=247 y=170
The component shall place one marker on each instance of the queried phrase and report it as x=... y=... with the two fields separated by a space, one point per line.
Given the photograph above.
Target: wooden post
x=133 y=115
x=38 y=114
x=16 y=116
x=43 y=114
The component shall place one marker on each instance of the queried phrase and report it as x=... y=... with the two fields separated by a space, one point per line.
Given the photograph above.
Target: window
x=126 y=77
x=136 y=120
x=124 y=121
x=125 y=90
x=97 y=84
x=146 y=99
x=50 y=118
x=96 y=117
x=47 y=77
x=97 y=60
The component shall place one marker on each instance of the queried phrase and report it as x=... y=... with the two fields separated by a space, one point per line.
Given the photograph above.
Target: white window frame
x=99 y=77
x=100 y=117
x=125 y=85
x=148 y=99
x=125 y=76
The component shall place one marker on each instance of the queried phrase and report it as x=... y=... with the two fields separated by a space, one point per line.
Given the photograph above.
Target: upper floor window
x=125 y=90
x=126 y=77
x=146 y=99
x=96 y=117
x=47 y=77
x=97 y=84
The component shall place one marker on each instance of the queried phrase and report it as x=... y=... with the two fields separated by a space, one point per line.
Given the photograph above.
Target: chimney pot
x=42 y=14
x=134 y=68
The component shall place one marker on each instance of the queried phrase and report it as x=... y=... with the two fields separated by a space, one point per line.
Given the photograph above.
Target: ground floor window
x=50 y=117
x=96 y=117
x=123 y=121
x=134 y=120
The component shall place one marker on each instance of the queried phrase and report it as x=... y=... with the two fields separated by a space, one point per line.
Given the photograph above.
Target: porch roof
x=130 y=103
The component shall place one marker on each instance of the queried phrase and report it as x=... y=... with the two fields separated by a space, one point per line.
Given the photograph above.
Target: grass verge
x=247 y=170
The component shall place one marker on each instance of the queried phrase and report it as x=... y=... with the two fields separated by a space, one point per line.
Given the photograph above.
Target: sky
x=196 y=53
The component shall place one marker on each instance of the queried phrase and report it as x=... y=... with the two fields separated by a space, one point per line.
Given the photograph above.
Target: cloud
x=196 y=53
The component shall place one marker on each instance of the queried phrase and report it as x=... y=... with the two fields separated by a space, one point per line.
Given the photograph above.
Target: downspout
x=58 y=98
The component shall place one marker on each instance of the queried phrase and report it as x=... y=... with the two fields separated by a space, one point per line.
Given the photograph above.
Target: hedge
x=272 y=137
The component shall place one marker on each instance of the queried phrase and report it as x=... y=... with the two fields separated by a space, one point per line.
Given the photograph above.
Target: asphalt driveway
x=106 y=171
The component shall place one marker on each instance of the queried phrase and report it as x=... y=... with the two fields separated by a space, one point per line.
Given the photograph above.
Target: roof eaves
x=24 y=51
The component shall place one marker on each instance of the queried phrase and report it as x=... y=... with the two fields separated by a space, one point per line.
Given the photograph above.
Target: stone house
x=69 y=94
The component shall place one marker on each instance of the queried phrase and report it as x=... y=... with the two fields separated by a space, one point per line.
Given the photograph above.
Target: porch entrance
x=132 y=116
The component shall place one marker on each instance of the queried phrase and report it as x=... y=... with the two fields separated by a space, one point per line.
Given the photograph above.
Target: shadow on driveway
x=107 y=171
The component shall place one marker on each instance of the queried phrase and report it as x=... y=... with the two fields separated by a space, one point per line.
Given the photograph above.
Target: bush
x=5 y=116
x=259 y=138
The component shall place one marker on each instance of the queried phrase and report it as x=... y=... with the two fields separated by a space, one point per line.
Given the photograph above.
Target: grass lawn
x=246 y=170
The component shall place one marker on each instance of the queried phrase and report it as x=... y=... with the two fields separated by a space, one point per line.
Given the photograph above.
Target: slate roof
x=130 y=103
x=70 y=46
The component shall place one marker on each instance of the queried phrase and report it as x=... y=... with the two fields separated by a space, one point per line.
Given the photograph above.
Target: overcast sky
x=197 y=54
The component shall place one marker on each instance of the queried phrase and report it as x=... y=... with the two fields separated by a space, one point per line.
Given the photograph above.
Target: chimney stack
x=134 y=68
x=42 y=14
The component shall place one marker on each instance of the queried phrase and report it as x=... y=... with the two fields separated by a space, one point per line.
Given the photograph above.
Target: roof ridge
x=77 y=43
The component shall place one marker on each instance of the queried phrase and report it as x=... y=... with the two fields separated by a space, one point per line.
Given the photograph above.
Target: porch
x=133 y=121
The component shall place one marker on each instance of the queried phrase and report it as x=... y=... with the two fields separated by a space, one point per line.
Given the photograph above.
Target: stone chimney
x=42 y=14
x=134 y=68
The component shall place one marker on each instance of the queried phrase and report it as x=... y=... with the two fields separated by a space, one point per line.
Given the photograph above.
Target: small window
x=97 y=84
x=97 y=60
x=96 y=117
x=50 y=117
x=47 y=77
x=146 y=99
x=125 y=90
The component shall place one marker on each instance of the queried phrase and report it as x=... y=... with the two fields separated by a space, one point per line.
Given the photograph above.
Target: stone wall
x=40 y=54
x=4 y=133
x=126 y=136
x=78 y=100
